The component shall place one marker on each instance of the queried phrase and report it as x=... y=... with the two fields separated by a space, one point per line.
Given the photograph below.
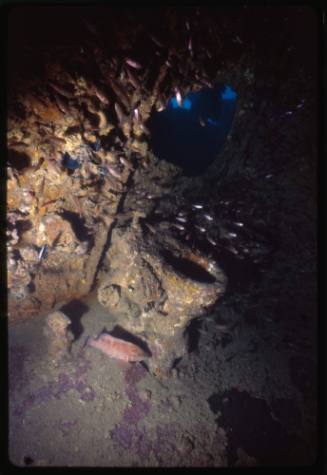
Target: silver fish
x=179 y=226
x=114 y=172
x=239 y=224
x=232 y=235
x=212 y=241
x=126 y=163
x=150 y=228
x=197 y=206
x=133 y=80
x=61 y=91
x=182 y=219
x=61 y=104
x=232 y=250
x=145 y=129
x=122 y=75
x=133 y=64
x=200 y=228
x=156 y=41
x=179 y=97
x=101 y=95
x=136 y=114
x=208 y=217
x=119 y=112
x=119 y=93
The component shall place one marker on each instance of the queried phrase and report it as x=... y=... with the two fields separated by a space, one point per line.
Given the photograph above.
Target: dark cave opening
x=190 y=132
x=18 y=160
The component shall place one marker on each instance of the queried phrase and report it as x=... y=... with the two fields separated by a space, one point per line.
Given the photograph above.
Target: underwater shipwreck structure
x=161 y=189
x=141 y=165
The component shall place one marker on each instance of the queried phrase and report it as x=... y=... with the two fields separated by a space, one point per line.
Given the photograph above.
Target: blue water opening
x=191 y=132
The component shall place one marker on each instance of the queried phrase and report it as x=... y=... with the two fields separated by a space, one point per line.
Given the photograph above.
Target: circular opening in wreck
x=188 y=268
x=191 y=131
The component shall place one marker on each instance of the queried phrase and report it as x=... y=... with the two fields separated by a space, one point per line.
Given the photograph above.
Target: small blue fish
x=97 y=145
x=86 y=342
x=70 y=163
x=103 y=171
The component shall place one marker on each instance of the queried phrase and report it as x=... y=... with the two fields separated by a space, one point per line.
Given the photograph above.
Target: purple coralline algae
x=139 y=408
x=134 y=374
x=88 y=394
x=124 y=432
x=83 y=366
x=55 y=389
x=65 y=383
x=143 y=444
x=17 y=374
x=133 y=414
x=123 y=435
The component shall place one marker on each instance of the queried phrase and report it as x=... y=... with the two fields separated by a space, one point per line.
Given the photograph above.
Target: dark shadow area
x=28 y=460
x=189 y=269
x=302 y=370
x=193 y=335
x=23 y=225
x=241 y=272
x=176 y=362
x=31 y=287
x=75 y=310
x=119 y=332
x=78 y=224
x=250 y=425
x=192 y=133
x=18 y=160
